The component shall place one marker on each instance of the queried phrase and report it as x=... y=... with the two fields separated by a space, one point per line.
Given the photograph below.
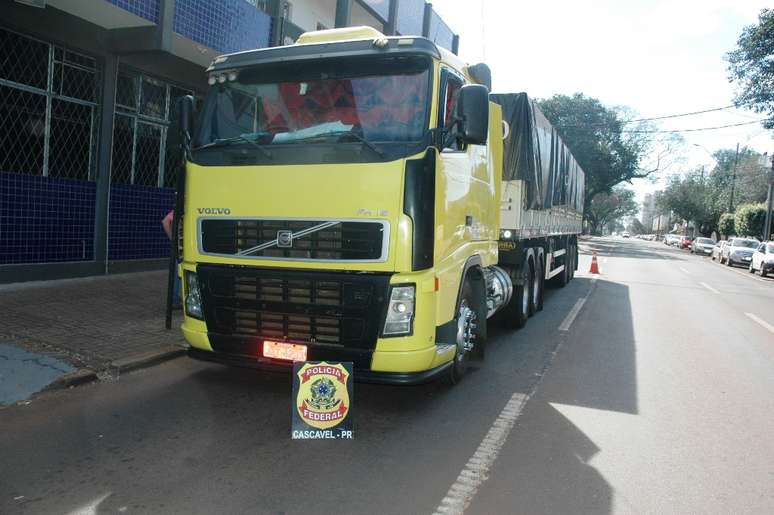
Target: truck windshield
x=345 y=110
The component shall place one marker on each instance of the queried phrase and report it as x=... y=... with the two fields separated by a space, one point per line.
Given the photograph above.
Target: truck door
x=463 y=173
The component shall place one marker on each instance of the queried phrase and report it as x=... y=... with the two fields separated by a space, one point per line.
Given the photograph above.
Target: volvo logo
x=213 y=210
x=285 y=239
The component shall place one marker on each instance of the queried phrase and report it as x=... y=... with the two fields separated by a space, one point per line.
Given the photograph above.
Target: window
x=143 y=106
x=48 y=109
x=451 y=85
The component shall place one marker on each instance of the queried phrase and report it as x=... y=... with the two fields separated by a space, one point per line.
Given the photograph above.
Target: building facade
x=86 y=89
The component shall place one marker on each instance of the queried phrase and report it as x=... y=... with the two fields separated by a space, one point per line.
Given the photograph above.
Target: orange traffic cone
x=594 y=265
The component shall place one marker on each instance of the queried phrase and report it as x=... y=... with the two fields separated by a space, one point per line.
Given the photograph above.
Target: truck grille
x=315 y=308
x=312 y=240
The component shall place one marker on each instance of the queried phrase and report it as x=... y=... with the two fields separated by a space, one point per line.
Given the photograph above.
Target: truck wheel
x=468 y=333
x=514 y=314
x=537 y=287
x=564 y=277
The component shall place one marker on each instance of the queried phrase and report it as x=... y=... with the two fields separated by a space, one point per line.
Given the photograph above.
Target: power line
x=624 y=122
x=691 y=130
x=680 y=114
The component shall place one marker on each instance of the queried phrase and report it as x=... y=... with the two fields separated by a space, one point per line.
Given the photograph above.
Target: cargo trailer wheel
x=468 y=333
x=514 y=314
x=537 y=287
x=563 y=278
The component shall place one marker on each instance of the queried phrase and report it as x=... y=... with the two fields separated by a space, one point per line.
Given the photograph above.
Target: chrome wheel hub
x=466 y=326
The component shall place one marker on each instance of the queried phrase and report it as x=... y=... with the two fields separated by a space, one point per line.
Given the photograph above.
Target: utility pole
x=733 y=181
x=767 y=225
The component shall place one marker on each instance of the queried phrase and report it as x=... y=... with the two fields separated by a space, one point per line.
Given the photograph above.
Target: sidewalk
x=100 y=324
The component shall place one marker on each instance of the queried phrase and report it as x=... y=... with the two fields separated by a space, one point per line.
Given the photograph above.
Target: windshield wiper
x=342 y=134
x=242 y=138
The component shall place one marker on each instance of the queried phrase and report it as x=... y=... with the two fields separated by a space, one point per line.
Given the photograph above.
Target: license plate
x=284 y=351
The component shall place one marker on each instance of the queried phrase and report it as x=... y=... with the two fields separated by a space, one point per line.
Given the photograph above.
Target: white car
x=625 y=234
x=763 y=259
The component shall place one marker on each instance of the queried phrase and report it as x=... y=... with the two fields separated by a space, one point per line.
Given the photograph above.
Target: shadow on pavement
x=546 y=466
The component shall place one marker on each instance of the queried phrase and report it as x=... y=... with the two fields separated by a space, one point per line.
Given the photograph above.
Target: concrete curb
x=145 y=360
x=131 y=363
x=77 y=378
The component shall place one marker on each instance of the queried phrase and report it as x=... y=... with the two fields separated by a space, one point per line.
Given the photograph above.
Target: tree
x=688 y=198
x=607 y=208
x=726 y=224
x=749 y=220
x=750 y=66
x=609 y=149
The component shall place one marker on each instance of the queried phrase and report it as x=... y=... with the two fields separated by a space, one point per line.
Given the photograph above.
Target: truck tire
x=563 y=278
x=538 y=285
x=514 y=315
x=469 y=331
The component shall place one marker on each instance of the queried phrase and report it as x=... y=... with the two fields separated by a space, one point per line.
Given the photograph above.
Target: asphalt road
x=656 y=398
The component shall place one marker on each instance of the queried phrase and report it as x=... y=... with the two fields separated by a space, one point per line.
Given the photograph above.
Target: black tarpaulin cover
x=534 y=153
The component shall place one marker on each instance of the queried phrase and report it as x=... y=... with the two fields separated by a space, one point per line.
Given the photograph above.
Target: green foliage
x=606 y=209
x=750 y=66
x=593 y=133
x=726 y=224
x=687 y=197
x=749 y=220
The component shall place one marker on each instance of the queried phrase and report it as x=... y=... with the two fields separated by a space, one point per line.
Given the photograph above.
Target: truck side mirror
x=181 y=124
x=473 y=112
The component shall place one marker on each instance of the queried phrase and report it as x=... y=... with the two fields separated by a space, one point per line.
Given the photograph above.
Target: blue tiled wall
x=381 y=7
x=44 y=219
x=410 y=14
x=148 y=9
x=224 y=25
x=440 y=33
x=134 y=224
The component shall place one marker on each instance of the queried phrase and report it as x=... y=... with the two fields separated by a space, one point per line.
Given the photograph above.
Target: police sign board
x=322 y=394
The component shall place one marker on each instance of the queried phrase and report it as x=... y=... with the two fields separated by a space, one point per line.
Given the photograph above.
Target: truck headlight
x=193 y=297
x=400 y=311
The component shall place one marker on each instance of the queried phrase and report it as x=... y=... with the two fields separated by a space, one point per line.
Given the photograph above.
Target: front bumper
x=739 y=260
x=360 y=375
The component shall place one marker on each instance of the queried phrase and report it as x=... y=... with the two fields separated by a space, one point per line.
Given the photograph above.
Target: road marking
x=684 y=270
x=570 y=318
x=761 y=322
x=476 y=470
x=710 y=288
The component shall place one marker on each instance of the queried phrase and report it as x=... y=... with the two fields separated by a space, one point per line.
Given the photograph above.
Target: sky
x=656 y=57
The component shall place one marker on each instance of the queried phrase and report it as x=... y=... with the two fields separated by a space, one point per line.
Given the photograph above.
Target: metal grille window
x=48 y=109
x=143 y=106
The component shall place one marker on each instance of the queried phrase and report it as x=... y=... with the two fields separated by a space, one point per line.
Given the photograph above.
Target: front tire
x=469 y=332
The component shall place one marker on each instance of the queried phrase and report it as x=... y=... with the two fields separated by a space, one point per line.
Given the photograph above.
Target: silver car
x=703 y=246
x=739 y=251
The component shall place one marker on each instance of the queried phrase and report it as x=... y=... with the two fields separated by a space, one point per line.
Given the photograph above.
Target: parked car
x=763 y=259
x=702 y=246
x=671 y=239
x=739 y=251
x=625 y=234
x=717 y=250
x=685 y=242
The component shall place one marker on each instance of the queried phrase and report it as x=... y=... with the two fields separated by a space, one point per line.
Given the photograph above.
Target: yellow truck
x=356 y=197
